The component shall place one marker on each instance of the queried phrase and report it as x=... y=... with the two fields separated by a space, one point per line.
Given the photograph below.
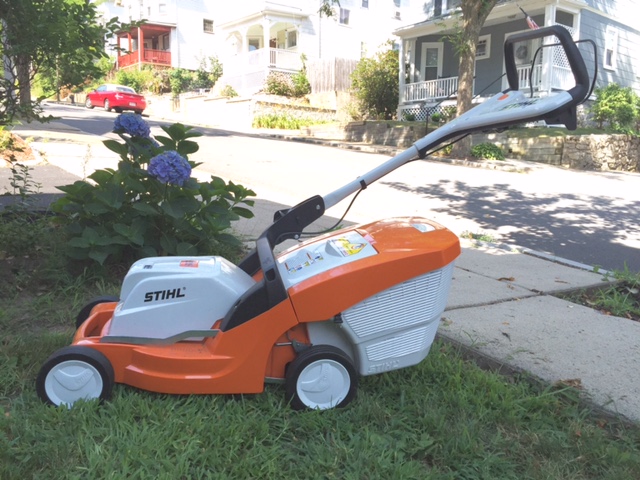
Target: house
x=254 y=37
x=259 y=36
x=175 y=33
x=429 y=74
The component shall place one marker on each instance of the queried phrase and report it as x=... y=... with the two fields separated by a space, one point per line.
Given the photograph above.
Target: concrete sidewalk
x=502 y=308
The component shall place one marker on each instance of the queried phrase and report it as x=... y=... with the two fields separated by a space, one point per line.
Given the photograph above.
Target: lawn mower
x=358 y=301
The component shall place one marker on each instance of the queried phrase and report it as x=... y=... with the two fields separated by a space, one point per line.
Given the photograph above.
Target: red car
x=116 y=97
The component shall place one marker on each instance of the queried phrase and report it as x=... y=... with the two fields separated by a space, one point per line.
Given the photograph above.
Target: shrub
x=301 y=85
x=139 y=80
x=278 y=83
x=487 y=151
x=284 y=121
x=228 y=91
x=180 y=80
x=618 y=106
x=375 y=85
x=150 y=205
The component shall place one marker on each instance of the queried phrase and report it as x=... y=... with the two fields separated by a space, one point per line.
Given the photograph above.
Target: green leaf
x=113 y=196
x=228 y=239
x=179 y=207
x=145 y=208
x=117 y=147
x=99 y=256
x=243 y=212
x=168 y=244
x=186 y=147
x=186 y=249
x=101 y=177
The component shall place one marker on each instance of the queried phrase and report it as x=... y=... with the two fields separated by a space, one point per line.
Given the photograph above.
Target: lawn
x=445 y=418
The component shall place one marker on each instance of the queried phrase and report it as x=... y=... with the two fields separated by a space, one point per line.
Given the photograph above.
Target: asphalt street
x=587 y=217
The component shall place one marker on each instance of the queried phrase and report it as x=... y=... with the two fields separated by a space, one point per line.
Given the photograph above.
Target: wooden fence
x=330 y=75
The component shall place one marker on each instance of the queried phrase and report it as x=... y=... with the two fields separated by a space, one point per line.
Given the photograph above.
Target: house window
x=483 y=47
x=610 y=47
x=344 y=16
x=254 y=44
x=162 y=9
x=207 y=26
x=365 y=3
x=165 y=42
x=292 y=38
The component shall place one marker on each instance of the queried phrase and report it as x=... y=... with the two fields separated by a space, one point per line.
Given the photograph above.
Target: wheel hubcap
x=323 y=384
x=73 y=380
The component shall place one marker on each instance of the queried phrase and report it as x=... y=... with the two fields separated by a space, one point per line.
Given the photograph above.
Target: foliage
x=209 y=72
x=301 y=85
x=59 y=40
x=375 y=85
x=139 y=80
x=487 y=151
x=149 y=205
x=327 y=8
x=621 y=299
x=228 y=91
x=618 y=106
x=180 y=79
x=279 y=83
x=283 y=121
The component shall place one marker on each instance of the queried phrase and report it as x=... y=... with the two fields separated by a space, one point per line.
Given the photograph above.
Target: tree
x=465 y=38
x=375 y=84
x=58 y=39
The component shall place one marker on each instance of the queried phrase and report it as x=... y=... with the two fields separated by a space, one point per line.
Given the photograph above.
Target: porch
x=247 y=72
x=146 y=56
x=420 y=99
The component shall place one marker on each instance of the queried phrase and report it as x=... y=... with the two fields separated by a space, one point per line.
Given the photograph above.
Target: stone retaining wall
x=583 y=152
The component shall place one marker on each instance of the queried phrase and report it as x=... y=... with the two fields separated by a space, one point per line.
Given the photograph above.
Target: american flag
x=532 y=24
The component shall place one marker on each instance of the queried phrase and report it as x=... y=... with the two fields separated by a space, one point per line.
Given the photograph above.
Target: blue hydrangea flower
x=132 y=124
x=170 y=167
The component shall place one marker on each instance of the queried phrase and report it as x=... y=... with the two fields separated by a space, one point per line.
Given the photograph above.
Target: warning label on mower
x=302 y=260
x=347 y=248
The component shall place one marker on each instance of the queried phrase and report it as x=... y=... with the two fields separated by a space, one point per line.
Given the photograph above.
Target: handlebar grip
x=578 y=67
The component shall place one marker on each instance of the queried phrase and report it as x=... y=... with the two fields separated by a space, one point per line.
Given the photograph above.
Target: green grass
x=444 y=419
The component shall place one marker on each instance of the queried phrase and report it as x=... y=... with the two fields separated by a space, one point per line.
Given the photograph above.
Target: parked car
x=116 y=97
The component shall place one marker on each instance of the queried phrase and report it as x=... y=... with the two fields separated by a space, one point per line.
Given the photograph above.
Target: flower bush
x=150 y=205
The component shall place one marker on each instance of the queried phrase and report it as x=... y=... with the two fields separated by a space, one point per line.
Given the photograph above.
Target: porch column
x=140 y=47
x=265 y=41
x=547 y=60
x=401 y=54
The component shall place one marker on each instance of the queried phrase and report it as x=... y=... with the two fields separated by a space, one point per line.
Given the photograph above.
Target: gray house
x=429 y=72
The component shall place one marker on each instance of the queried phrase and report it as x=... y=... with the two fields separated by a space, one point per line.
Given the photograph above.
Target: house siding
x=593 y=26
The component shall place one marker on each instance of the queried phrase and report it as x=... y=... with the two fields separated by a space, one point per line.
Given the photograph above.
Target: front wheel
x=75 y=373
x=87 y=103
x=321 y=377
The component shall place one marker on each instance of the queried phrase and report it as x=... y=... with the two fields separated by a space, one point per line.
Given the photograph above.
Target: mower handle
x=578 y=68
x=504 y=109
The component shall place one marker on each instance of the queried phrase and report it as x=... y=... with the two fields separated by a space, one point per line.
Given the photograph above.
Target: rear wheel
x=85 y=311
x=321 y=377
x=75 y=373
x=107 y=106
x=87 y=103
x=138 y=112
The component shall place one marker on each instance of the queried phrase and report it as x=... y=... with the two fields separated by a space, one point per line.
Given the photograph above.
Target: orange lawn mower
x=358 y=301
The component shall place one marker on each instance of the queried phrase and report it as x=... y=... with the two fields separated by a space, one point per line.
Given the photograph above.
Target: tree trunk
x=474 y=13
x=24 y=80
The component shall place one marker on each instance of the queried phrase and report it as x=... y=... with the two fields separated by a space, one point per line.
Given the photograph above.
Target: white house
x=253 y=37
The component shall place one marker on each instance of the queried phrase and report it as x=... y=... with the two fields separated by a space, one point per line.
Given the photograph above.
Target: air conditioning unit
x=397 y=15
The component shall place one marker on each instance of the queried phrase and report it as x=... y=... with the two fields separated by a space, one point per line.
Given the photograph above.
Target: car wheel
x=138 y=112
x=320 y=378
x=75 y=373
x=118 y=110
x=107 y=106
x=85 y=311
x=87 y=103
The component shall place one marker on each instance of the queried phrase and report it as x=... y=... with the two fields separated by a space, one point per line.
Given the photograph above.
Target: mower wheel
x=75 y=373
x=85 y=311
x=321 y=377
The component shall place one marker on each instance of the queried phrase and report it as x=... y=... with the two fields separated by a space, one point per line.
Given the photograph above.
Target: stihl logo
x=164 y=295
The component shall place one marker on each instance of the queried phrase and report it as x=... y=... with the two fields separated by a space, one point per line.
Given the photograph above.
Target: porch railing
x=430 y=89
x=263 y=58
x=157 y=57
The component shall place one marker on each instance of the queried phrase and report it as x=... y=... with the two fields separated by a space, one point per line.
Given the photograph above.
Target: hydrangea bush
x=150 y=205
